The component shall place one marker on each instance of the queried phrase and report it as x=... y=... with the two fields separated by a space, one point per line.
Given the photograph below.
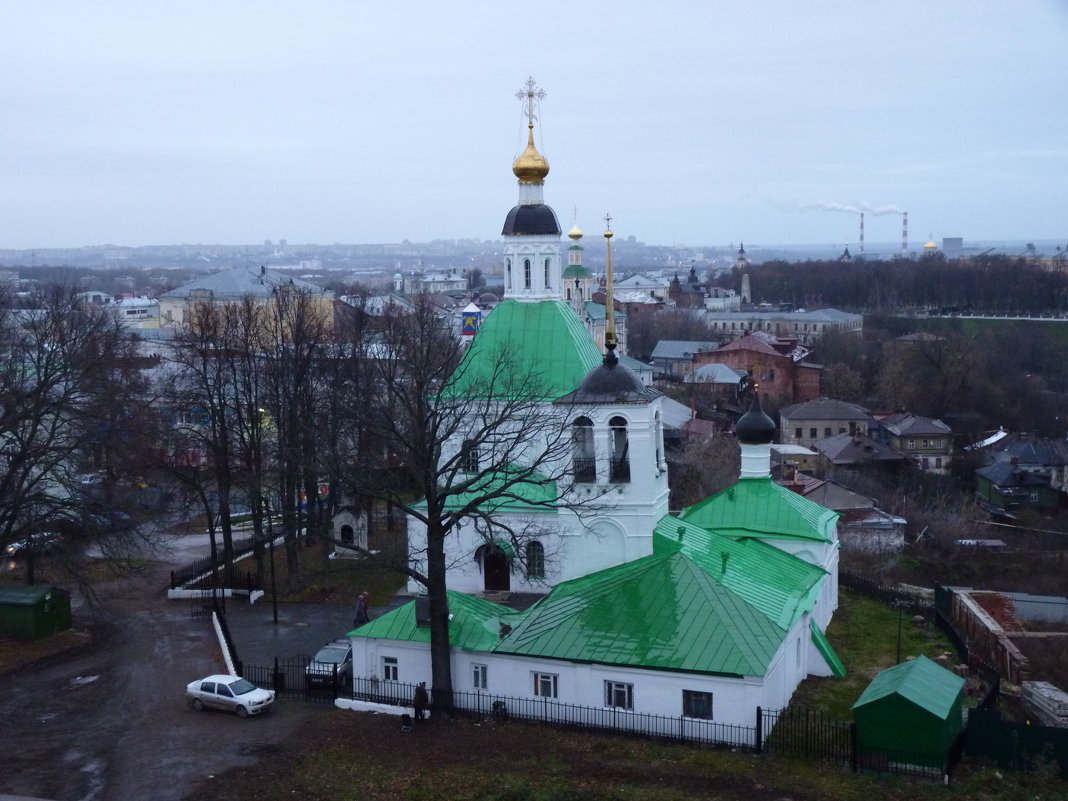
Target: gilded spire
x=609 y=298
x=531 y=167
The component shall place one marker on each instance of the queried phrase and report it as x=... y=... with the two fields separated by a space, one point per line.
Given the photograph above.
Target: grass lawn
x=360 y=756
x=333 y=581
x=864 y=633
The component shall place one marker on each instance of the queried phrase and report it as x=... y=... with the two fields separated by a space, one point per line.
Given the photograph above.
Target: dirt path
x=110 y=723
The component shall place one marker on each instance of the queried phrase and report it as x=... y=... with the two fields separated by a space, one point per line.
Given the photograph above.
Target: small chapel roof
x=758 y=507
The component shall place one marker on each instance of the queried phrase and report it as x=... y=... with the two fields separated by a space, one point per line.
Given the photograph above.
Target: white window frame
x=390 y=668
x=546 y=685
x=619 y=695
x=480 y=676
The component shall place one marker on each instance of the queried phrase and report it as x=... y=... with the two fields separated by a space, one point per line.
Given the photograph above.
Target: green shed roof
x=538 y=348
x=24 y=596
x=779 y=584
x=475 y=623
x=759 y=507
x=662 y=611
x=921 y=681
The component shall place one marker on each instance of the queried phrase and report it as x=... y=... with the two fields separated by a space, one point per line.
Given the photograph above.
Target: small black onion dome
x=611 y=382
x=755 y=427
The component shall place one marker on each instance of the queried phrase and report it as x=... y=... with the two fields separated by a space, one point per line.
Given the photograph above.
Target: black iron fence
x=555 y=713
x=301 y=677
x=206 y=571
x=807 y=733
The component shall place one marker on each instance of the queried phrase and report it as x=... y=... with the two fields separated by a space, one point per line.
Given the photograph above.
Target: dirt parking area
x=109 y=722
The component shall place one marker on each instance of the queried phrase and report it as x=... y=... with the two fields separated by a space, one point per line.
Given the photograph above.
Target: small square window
x=812 y=433
x=480 y=676
x=619 y=694
x=390 y=668
x=545 y=684
x=827 y=431
x=797 y=433
x=697 y=704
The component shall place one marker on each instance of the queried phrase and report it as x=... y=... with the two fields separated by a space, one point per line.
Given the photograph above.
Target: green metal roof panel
x=921 y=681
x=823 y=645
x=576 y=271
x=661 y=611
x=779 y=584
x=519 y=344
x=524 y=490
x=474 y=626
x=760 y=507
x=596 y=311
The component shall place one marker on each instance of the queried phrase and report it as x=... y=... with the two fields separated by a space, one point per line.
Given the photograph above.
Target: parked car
x=229 y=693
x=37 y=543
x=333 y=659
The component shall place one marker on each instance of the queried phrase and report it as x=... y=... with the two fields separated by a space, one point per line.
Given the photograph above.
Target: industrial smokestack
x=904 y=231
x=861 y=232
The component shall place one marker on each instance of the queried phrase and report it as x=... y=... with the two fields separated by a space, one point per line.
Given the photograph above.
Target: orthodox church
x=705 y=615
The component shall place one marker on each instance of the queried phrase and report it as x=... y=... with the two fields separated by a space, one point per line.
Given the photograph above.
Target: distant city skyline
x=771 y=123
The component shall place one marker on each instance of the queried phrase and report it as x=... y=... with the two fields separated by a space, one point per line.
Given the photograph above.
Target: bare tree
x=461 y=439
x=59 y=362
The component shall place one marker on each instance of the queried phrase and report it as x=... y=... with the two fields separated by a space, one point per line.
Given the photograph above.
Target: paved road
x=110 y=723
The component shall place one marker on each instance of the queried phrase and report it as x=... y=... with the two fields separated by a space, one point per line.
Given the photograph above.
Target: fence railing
x=555 y=713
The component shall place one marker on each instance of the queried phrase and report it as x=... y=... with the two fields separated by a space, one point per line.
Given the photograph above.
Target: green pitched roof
x=921 y=681
x=758 y=507
x=662 y=611
x=576 y=271
x=779 y=584
x=474 y=626
x=518 y=345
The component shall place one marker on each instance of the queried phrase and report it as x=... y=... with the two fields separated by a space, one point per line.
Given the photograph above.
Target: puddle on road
x=81 y=681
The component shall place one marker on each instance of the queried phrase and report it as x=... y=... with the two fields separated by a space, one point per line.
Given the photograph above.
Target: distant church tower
x=531 y=231
x=577 y=277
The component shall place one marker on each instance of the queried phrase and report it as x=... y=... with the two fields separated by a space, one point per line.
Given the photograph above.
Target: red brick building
x=774 y=363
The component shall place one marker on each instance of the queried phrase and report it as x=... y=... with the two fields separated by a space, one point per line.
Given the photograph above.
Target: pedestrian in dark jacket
x=361 y=609
x=420 y=701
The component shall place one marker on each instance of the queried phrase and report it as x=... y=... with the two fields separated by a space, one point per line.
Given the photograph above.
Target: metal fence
x=807 y=733
x=300 y=677
x=554 y=713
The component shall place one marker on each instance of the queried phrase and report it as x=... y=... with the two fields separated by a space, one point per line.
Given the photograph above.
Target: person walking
x=361 y=609
x=420 y=701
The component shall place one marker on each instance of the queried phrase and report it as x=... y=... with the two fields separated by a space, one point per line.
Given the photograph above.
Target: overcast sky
x=691 y=122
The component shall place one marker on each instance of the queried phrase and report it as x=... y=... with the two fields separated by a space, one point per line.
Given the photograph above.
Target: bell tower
x=531 y=231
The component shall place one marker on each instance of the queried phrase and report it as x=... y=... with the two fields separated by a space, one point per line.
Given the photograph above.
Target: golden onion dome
x=575 y=234
x=531 y=167
x=931 y=245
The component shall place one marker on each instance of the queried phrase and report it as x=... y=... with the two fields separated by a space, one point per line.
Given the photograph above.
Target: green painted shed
x=30 y=613
x=910 y=713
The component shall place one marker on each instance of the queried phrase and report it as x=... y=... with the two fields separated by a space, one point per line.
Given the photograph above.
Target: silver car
x=229 y=693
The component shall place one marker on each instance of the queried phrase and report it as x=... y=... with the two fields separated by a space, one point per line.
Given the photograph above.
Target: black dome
x=755 y=427
x=534 y=219
x=611 y=382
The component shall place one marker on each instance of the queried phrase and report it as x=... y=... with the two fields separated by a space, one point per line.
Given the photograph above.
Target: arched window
x=526 y=273
x=620 y=466
x=548 y=281
x=585 y=462
x=535 y=560
x=507 y=273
